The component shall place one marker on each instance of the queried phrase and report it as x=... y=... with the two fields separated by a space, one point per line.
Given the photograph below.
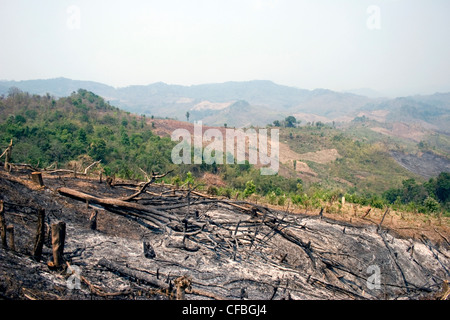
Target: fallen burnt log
x=165 y=287
x=157 y=218
x=124 y=271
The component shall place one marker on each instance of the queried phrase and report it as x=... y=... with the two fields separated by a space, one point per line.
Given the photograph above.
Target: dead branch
x=145 y=277
x=117 y=268
x=23 y=166
x=90 y=166
x=145 y=174
x=145 y=185
x=54 y=164
x=445 y=291
x=74 y=172
x=382 y=219
x=292 y=238
x=366 y=213
x=446 y=240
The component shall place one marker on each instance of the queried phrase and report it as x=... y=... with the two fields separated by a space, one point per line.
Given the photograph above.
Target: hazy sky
x=393 y=46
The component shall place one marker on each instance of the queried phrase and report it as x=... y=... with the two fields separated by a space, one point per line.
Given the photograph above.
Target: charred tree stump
x=93 y=220
x=40 y=235
x=10 y=231
x=36 y=177
x=3 y=225
x=182 y=283
x=58 y=239
x=7 y=154
x=149 y=252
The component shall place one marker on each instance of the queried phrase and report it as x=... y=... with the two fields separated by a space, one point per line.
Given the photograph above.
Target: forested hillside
x=47 y=130
x=81 y=128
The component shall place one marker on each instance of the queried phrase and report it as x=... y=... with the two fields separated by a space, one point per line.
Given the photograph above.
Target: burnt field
x=427 y=165
x=155 y=241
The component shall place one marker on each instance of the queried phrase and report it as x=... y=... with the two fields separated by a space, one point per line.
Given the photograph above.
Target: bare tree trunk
x=149 y=252
x=37 y=178
x=58 y=239
x=93 y=220
x=10 y=230
x=40 y=235
x=3 y=225
x=8 y=153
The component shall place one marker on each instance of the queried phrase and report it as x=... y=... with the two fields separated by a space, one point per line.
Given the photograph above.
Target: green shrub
x=431 y=205
x=212 y=190
x=250 y=188
x=376 y=202
x=282 y=200
x=227 y=192
x=272 y=197
x=189 y=178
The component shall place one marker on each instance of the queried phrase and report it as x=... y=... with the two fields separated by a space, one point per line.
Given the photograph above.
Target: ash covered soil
x=221 y=249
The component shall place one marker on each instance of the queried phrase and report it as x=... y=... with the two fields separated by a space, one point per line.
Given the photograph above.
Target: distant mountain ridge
x=260 y=101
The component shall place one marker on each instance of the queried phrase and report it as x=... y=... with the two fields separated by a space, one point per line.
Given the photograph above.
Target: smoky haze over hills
x=257 y=102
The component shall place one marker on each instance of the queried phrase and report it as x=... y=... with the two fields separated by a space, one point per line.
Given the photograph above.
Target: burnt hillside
x=154 y=240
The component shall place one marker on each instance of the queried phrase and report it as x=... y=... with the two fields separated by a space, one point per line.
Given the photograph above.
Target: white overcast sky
x=307 y=44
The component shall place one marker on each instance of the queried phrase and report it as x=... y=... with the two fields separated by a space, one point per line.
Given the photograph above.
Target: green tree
x=413 y=191
x=82 y=135
x=98 y=150
x=20 y=119
x=290 y=122
x=431 y=205
x=443 y=186
x=124 y=138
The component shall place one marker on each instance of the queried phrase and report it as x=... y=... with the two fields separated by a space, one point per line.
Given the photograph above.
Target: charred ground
x=219 y=248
